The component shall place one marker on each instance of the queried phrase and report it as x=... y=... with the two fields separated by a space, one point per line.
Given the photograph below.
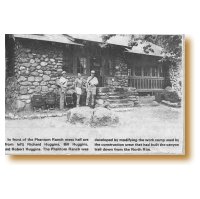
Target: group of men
x=77 y=88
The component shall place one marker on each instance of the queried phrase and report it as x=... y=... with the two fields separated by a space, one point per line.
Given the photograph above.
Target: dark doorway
x=95 y=64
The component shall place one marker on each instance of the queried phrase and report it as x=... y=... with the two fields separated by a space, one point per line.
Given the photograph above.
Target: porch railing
x=146 y=83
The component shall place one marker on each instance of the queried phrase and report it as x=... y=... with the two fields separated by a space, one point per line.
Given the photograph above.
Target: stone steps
x=121 y=105
x=120 y=101
x=118 y=97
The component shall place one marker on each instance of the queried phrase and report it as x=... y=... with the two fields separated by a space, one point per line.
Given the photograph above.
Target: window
x=154 y=71
x=161 y=72
x=146 y=71
x=109 y=67
x=82 y=65
x=68 y=61
x=138 y=71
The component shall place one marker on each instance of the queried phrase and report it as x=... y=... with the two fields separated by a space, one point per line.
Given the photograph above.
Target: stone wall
x=37 y=67
x=120 y=78
x=175 y=77
x=11 y=93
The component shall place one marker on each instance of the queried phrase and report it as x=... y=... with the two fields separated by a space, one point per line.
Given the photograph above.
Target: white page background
x=103 y=177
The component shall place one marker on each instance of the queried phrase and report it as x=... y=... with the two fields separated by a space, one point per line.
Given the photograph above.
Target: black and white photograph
x=94 y=94
x=100 y=99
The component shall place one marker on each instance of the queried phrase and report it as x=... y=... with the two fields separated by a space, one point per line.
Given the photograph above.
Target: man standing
x=91 y=88
x=78 y=88
x=62 y=83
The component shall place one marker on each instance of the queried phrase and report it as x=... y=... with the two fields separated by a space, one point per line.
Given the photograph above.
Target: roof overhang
x=141 y=53
x=58 y=38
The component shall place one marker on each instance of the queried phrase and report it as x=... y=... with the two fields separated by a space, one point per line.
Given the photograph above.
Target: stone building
x=34 y=62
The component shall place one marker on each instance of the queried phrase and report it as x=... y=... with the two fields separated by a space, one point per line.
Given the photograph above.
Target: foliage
x=171 y=44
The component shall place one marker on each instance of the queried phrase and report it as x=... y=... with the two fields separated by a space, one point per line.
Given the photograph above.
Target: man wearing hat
x=62 y=83
x=91 y=88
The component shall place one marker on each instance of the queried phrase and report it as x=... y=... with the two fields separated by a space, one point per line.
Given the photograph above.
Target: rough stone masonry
x=37 y=67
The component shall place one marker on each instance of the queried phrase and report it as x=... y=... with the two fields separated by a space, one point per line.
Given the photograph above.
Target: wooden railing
x=146 y=82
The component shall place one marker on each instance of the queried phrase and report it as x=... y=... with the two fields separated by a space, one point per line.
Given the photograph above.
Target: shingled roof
x=146 y=48
x=142 y=47
x=121 y=40
x=59 y=38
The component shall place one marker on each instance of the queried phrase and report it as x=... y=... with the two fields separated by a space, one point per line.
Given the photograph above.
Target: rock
x=38 y=89
x=35 y=73
x=47 y=72
x=28 y=101
x=43 y=83
x=32 y=61
x=24 y=97
x=22 y=68
x=103 y=89
x=37 y=60
x=23 y=72
x=102 y=103
x=31 y=79
x=59 y=70
x=32 y=69
x=104 y=117
x=11 y=115
x=154 y=103
x=43 y=63
x=52 y=60
x=52 y=82
x=28 y=50
x=171 y=96
x=94 y=117
x=46 y=77
x=30 y=55
x=169 y=88
x=22 y=78
x=20 y=105
x=44 y=88
x=23 y=90
x=34 y=64
x=53 y=86
x=31 y=91
x=26 y=83
x=38 y=79
x=80 y=115
x=23 y=60
x=38 y=67
x=16 y=117
x=35 y=83
x=175 y=104
x=40 y=71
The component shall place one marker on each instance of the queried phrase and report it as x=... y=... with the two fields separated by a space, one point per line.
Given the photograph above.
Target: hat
x=92 y=71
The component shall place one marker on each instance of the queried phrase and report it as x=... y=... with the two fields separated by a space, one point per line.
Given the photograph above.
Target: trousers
x=91 y=95
x=78 y=99
x=62 y=100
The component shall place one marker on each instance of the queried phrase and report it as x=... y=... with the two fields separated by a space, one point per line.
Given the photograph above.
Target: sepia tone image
x=94 y=94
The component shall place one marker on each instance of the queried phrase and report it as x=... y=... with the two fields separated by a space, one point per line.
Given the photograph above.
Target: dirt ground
x=143 y=122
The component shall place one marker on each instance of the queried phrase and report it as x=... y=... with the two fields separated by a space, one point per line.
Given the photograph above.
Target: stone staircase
x=119 y=98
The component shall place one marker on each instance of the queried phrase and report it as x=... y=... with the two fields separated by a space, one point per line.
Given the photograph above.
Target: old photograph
x=94 y=94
